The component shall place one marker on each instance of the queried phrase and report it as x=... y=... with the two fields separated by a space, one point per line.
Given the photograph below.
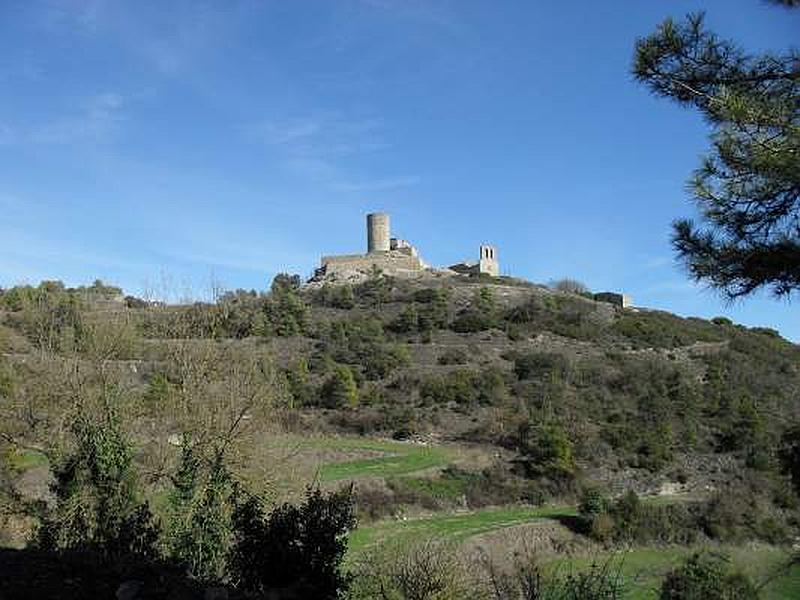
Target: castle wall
x=388 y=261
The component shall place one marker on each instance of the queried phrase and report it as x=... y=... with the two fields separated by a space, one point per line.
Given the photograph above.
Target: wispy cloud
x=97 y=120
x=315 y=146
x=325 y=135
x=79 y=15
x=169 y=36
x=377 y=185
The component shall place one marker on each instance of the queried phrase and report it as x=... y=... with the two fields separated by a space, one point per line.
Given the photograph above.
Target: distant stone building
x=395 y=256
x=621 y=300
x=487 y=263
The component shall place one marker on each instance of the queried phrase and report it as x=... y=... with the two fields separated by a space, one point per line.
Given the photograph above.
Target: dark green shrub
x=285 y=309
x=362 y=342
x=471 y=321
x=340 y=389
x=789 y=455
x=453 y=356
x=537 y=365
x=707 y=576
x=663 y=330
x=376 y=290
x=407 y=321
x=298 y=380
x=481 y=314
x=201 y=514
x=295 y=550
x=342 y=296
x=546 y=451
x=593 y=503
x=98 y=507
x=465 y=387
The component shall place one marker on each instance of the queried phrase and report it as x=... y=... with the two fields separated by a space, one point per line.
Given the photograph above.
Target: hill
x=432 y=393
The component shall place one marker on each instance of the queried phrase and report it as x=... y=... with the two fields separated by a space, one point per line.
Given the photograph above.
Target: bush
x=422 y=570
x=629 y=520
x=48 y=315
x=464 y=387
x=298 y=380
x=362 y=342
x=342 y=296
x=593 y=503
x=789 y=455
x=564 y=315
x=201 y=515
x=285 y=309
x=480 y=315
x=97 y=496
x=407 y=321
x=570 y=286
x=537 y=365
x=295 y=549
x=706 y=576
x=546 y=451
x=663 y=330
x=340 y=389
x=526 y=579
x=453 y=356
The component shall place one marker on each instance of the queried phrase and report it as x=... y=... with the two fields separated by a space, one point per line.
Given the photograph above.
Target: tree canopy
x=747 y=188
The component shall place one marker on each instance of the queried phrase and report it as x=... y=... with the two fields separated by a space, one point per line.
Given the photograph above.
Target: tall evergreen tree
x=747 y=188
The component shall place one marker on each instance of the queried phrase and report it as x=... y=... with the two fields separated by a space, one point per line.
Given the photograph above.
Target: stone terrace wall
x=387 y=261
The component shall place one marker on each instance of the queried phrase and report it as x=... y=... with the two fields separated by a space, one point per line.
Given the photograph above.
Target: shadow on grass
x=571 y=522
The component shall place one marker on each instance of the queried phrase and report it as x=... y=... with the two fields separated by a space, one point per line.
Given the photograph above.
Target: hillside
x=432 y=393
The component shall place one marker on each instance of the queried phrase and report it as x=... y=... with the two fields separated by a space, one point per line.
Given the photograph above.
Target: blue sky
x=164 y=145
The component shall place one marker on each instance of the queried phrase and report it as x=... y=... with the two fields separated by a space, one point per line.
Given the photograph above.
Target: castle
x=396 y=256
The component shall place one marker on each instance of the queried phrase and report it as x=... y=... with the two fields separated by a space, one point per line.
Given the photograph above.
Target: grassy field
x=458 y=526
x=398 y=458
x=643 y=569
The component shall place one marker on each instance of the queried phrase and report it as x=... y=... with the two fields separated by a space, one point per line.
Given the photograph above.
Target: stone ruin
x=398 y=257
x=395 y=256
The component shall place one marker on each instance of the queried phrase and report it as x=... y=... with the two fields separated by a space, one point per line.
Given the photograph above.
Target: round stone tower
x=378 y=236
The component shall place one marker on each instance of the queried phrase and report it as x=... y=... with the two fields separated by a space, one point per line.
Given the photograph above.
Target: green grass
x=20 y=461
x=442 y=488
x=455 y=527
x=643 y=569
x=400 y=458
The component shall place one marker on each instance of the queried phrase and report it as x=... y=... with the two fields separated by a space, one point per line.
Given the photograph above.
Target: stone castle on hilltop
x=396 y=256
